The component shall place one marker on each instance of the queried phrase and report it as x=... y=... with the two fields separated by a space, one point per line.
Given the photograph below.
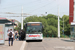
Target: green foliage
x=18 y=28
x=64 y=36
x=50 y=23
x=66 y=25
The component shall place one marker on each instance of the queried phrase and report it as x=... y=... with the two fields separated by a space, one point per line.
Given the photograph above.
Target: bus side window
x=29 y=31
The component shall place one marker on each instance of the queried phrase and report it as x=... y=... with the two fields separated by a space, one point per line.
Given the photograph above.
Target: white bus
x=34 y=31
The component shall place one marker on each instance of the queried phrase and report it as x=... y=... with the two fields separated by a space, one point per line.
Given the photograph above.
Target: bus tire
x=26 y=40
x=40 y=40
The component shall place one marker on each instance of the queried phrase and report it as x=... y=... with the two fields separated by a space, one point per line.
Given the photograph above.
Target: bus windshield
x=34 y=29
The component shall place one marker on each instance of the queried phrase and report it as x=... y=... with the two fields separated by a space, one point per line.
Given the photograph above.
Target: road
x=51 y=44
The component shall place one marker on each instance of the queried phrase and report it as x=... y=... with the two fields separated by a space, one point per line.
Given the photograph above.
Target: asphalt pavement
x=51 y=44
x=17 y=45
x=46 y=44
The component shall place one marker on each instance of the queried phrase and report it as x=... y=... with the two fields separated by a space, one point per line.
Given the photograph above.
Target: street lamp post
x=22 y=19
x=58 y=25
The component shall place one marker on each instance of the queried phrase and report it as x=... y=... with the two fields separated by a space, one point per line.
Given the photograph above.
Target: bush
x=64 y=36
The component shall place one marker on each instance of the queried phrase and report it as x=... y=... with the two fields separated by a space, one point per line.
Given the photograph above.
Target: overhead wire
x=34 y=6
x=59 y=7
x=44 y=5
x=18 y=5
x=41 y=7
x=58 y=4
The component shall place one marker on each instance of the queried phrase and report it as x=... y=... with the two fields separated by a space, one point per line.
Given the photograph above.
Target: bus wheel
x=26 y=40
x=40 y=40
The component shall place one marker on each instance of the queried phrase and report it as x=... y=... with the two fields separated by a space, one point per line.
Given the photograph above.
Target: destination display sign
x=33 y=24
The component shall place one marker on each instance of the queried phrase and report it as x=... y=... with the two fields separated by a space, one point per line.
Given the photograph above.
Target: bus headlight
x=41 y=35
x=27 y=35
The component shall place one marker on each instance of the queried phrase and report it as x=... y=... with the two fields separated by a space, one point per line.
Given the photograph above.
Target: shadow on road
x=33 y=41
x=66 y=40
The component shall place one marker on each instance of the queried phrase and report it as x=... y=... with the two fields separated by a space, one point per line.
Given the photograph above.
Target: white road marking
x=23 y=45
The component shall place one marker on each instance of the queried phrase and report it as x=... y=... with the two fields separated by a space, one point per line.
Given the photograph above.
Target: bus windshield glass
x=34 y=29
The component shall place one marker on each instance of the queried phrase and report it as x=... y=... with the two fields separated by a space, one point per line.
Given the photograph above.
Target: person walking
x=16 y=35
x=11 y=36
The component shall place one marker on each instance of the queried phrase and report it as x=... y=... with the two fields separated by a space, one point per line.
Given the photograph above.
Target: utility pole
x=63 y=25
x=22 y=19
x=58 y=25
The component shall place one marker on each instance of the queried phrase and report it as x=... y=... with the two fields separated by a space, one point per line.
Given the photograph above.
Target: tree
x=66 y=25
x=18 y=28
x=50 y=23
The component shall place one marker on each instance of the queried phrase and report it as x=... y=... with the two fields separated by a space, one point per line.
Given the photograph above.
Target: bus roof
x=34 y=22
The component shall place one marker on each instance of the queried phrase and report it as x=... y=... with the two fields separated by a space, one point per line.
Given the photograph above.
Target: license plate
x=33 y=38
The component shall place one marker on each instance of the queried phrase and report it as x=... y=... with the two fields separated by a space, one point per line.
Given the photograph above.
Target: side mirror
x=29 y=31
x=43 y=26
x=24 y=26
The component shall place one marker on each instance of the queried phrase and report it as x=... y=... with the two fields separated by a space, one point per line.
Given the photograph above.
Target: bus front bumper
x=34 y=38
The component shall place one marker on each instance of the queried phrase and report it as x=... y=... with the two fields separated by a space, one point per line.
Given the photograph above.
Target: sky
x=32 y=7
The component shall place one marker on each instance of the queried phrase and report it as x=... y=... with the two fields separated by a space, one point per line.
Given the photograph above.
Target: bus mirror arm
x=43 y=26
x=24 y=26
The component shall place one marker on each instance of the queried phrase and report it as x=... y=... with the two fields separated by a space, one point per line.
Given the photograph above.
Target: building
x=15 y=21
x=71 y=11
x=8 y=25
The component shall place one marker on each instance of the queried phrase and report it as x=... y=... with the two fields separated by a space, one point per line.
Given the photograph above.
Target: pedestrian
x=8 y=32
x=11 y=36
x=22 y=35
x=16 y=35
x=19 y=35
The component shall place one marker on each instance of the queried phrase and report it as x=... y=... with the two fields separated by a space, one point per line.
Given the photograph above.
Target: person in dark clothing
x=22 y=35
x=19 y=35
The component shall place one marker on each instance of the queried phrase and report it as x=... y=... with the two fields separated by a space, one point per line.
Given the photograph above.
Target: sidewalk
x=16 y=46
